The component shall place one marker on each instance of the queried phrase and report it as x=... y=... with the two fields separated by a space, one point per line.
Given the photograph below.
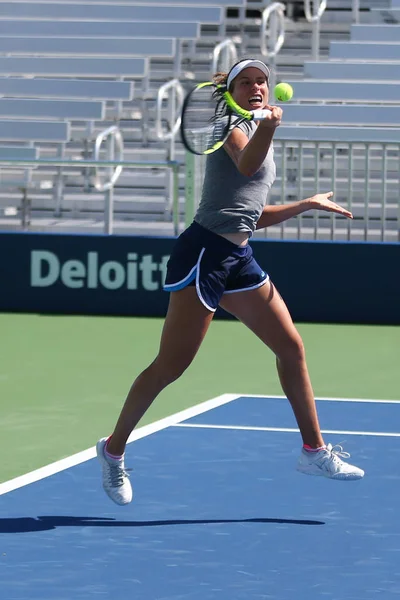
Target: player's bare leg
x=184 y=329
x=265 y=313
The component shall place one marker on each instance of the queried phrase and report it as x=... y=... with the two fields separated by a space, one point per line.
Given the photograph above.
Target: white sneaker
x=327 y=463
x=116 y=482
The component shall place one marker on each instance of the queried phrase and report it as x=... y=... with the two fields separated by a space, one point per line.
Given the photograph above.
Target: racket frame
x=234 y=108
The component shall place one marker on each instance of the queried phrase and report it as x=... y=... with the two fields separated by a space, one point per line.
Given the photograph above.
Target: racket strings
x=205 y=119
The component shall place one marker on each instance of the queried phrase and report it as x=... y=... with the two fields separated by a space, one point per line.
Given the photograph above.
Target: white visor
x=244 y=64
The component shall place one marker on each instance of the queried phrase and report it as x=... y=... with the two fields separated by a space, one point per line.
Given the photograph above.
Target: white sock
x=109 y=456
x=308 y=448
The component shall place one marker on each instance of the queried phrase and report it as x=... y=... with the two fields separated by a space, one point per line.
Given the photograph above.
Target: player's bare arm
x=247 y=155
x=272 y=215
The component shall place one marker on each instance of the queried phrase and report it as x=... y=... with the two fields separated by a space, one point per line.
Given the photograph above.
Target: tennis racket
x=208 y=116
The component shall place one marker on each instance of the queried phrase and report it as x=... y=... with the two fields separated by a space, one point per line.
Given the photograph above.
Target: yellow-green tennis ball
x=283 y=92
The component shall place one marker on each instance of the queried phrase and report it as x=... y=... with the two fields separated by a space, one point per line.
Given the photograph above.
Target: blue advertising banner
x=123 y=275
x=83 y=274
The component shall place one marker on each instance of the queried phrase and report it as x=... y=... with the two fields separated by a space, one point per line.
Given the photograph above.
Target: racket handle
x=259 y=115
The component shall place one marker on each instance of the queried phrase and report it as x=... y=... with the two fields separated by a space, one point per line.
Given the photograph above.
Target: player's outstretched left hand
x=322 y=202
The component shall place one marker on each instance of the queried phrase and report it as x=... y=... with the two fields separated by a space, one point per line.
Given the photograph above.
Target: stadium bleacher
x=166 y=12
x=344 y=71
x=325 y=90
x=34 y=131
x=111 y=59
x=99 y=29
x=365 y=50
x=75 y=67
x=63 y=88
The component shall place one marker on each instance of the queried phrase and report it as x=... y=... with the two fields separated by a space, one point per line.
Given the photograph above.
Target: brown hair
x=220 y=78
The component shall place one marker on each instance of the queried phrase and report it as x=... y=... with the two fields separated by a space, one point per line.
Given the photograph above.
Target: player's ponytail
x=220 y=79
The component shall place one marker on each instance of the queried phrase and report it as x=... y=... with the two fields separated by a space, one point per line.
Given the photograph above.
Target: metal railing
x=170 y=165
x=272 y=35
x=115 y=151
x=224 y=56
x=364 y=176
x=314 y=16
x=168 y=120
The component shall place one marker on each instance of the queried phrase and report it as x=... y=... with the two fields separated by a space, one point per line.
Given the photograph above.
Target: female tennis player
x=212 y=265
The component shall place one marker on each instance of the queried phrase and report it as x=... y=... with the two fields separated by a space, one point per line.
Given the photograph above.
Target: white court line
x=188 y=413
x=323 y=398
x=283 y=429
x=85 y=455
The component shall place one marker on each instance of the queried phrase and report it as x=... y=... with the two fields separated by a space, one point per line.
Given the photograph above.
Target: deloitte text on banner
x=138 y=272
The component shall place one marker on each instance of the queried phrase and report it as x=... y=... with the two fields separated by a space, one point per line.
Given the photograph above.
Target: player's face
x=250 y=89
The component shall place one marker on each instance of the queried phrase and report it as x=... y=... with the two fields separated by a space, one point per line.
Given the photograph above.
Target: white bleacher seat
x=51 y=109
x=74 y=66
x=351 y=114
x=103 y=29
x=347 y=70
x=17 y=87
x=110 y=12
x=364 y=51
x=346 y=91
x=53 y=46
x=375 y=33
x=34 y=131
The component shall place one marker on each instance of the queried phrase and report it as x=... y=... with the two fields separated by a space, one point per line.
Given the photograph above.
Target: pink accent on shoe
x=108 y=454
x=309 y=449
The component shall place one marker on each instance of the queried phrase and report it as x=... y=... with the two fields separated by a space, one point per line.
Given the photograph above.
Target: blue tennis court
x=219 y=512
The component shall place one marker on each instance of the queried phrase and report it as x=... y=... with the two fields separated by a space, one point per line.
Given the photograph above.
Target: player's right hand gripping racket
x=208 y=116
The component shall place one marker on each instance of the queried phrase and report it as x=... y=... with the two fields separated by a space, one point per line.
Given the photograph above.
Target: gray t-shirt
x=230 y=201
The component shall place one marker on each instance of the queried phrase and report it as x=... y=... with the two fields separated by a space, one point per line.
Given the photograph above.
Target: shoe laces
x=337 y=452
x=117 y=474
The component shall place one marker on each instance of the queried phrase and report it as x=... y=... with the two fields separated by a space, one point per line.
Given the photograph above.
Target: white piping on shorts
x=253 y=287
x=188 y=276
x=170 y=285
x=198 y=284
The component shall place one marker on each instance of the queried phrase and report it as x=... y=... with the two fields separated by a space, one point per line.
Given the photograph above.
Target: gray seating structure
x=59 y=41
x=111 y=12
x=370 y=51
x=82 y=66
x=79 y=110
x=54 y=46
x=99 y=29
x=351 y=70
x=18 y=153
x=17 y=87
x=365 y=4
x=361 y=114
x=391 y=15
x=34 y=131
x=349 y=134
x=348 y=91
x=181 y=3
x=375 y=33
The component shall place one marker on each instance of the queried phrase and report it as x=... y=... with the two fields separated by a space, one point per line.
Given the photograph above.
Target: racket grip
x=259 y=115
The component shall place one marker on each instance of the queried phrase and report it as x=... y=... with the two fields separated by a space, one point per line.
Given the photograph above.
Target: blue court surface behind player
x=219 y=511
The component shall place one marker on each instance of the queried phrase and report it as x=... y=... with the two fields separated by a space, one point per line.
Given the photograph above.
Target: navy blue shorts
x=213 y=264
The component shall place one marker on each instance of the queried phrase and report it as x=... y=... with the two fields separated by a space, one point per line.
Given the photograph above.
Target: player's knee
x=167 y=372
x=293 y=349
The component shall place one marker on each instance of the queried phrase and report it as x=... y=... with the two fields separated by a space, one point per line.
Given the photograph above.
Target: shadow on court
x=30 y=524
